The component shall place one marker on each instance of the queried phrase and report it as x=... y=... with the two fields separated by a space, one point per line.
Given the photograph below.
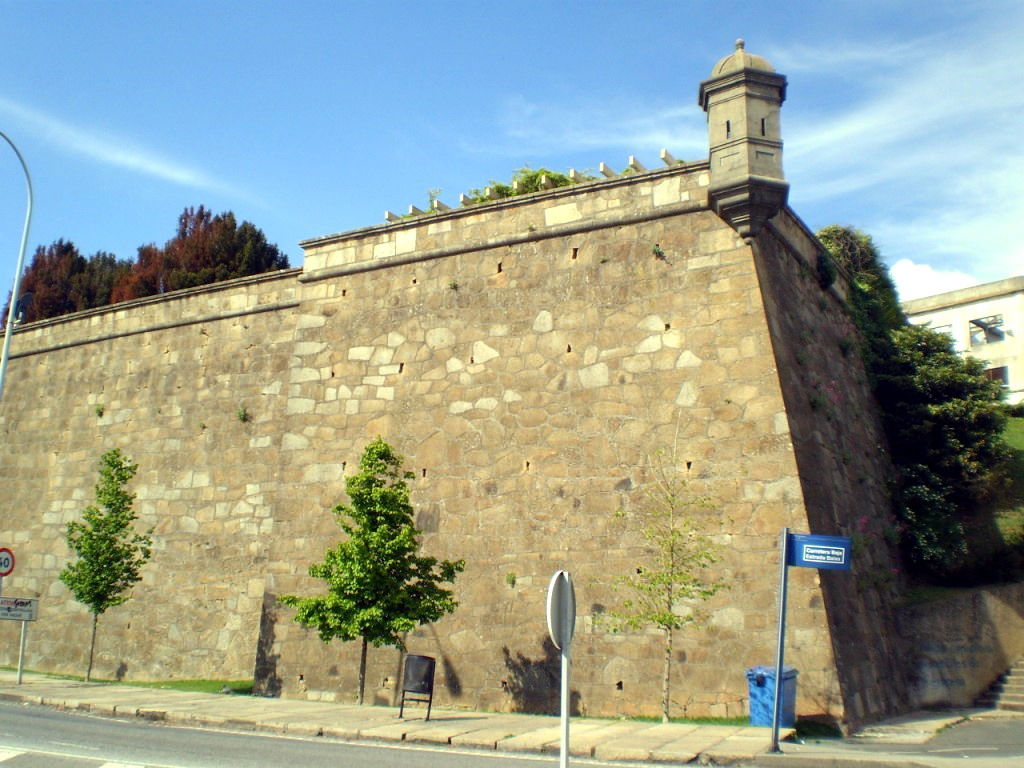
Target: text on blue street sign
x=814 y=551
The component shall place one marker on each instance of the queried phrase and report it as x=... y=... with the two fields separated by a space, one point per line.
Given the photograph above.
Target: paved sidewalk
x=611 y=740
x=891 y=744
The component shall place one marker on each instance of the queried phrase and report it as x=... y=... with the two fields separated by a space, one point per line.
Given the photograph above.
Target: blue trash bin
x=761 y=683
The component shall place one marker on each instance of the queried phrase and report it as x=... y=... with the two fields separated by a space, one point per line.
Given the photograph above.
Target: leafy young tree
x=110 y=551
x=665 y=591
x=378 y=587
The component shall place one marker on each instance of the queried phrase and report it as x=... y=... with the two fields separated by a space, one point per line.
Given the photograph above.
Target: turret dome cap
x=739 y=60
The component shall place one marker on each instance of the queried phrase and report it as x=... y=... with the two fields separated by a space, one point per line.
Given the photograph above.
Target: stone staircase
x=1007 y=692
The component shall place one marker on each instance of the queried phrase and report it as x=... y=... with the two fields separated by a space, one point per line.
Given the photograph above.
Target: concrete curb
x=608 y=740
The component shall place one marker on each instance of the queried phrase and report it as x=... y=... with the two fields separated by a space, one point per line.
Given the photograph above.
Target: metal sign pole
x=9 y=330
x=561 y=610
x=783 y=588
x=21 y=650
x=564 y=759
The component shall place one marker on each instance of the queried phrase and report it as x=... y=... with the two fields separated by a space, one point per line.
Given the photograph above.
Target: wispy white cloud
x=114 y=151
x=841 y=57
x=928 y=157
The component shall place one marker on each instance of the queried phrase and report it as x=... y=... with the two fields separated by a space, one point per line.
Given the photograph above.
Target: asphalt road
x=1004 y=737
x=38 y=737
x=979 y=737
x=983 y=737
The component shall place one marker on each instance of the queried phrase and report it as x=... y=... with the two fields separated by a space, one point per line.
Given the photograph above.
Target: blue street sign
x=824 y=552
x=803 y=550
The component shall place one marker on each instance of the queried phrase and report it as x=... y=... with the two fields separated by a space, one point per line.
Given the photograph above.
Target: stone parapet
x=563 y=211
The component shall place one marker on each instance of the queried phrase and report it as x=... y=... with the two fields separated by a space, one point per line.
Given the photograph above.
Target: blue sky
x=905 y=119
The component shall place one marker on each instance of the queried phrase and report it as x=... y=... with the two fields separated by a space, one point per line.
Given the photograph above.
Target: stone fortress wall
x=527 y=356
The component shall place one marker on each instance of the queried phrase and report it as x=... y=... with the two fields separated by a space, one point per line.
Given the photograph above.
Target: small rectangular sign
x=19 y=608
x=813 y=551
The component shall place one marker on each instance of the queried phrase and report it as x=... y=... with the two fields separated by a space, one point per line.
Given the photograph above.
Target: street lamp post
x=9 y=330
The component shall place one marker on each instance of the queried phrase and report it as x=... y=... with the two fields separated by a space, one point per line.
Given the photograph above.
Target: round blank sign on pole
x=6 y=562
x=561 y=609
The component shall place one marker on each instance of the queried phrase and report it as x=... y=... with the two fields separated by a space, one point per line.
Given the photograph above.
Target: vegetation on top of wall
x=205 y=249
x=826 y=270
x=524 y=181
x=943 y=419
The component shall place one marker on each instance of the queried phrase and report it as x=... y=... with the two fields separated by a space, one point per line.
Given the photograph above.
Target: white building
x=985 y=322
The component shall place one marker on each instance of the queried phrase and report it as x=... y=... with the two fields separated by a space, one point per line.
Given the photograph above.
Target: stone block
x=565 y=213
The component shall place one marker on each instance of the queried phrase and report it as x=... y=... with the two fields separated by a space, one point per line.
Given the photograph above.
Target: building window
x=987 y=330
x=1000 y=374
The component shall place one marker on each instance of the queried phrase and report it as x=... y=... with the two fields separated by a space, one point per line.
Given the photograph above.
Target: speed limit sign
x=6 y=562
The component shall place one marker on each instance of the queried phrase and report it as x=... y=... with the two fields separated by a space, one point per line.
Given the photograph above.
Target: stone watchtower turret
x=743 y=97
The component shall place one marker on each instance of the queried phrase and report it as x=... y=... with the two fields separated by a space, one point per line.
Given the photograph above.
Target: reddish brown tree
x=48 y=280
x=147 y=277
x=205 y=249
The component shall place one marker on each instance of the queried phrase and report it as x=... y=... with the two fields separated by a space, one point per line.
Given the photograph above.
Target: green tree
x=92 y=287
x=110 y=552
x=874 y=301
x=668 y=586
x=378 y=587
x=943 y=419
